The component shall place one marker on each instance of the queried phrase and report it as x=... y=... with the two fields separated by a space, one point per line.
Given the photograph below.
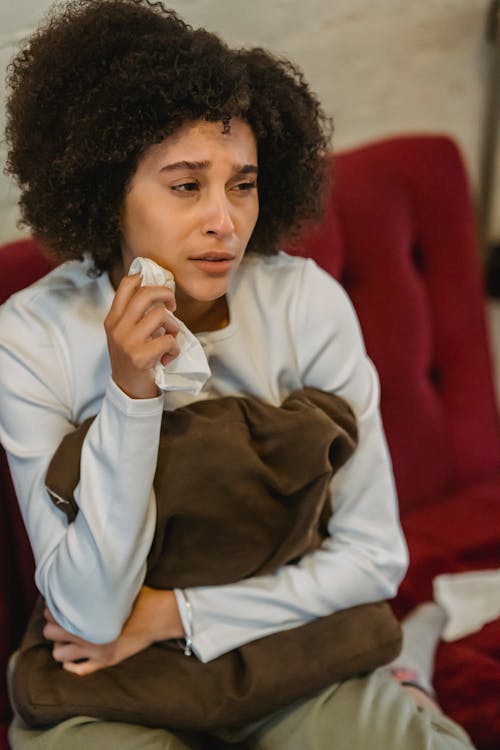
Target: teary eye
x=185 y=187
x=247 y=185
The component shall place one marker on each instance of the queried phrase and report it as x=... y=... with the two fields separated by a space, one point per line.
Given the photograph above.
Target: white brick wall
x=380 y=66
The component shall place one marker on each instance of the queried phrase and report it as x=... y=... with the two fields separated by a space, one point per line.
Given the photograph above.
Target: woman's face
x=192 y=206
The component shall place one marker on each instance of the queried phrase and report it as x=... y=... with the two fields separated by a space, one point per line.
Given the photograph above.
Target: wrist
x=168 y=623
x=137 y=390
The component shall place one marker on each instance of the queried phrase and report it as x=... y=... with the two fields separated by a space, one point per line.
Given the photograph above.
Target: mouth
x=214 y=262
x=214 y=257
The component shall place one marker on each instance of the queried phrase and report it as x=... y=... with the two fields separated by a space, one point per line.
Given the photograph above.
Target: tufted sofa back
x=400 y=236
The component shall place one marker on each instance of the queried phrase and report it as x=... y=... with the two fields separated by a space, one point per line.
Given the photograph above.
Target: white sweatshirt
x=291 y=325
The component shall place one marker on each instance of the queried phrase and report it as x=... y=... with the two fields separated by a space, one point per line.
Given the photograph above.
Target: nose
x=218 y=218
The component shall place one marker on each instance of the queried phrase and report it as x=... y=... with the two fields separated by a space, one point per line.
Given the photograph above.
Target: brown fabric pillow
x=242 y=482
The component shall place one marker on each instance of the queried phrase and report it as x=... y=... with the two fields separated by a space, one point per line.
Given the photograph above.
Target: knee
x=372 y=711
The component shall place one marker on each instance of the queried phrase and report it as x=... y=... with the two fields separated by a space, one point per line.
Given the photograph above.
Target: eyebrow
x=199 y=165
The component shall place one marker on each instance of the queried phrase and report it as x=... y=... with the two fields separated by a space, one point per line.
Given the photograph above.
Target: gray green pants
x=367 y=713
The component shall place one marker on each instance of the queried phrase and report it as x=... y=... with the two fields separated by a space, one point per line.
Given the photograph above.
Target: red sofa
x=399 y=233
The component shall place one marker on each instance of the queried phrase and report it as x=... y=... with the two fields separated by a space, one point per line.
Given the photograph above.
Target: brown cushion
x=242 y=482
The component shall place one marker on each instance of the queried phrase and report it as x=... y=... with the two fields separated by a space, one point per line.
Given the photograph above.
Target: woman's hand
x=154 y=617
x=140 y=331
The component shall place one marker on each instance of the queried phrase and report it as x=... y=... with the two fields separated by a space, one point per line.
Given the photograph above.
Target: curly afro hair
x=102 y=80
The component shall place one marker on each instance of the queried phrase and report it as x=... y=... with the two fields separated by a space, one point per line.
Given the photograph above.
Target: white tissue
x=469 y=599
x=189 y=371
x=152 y=274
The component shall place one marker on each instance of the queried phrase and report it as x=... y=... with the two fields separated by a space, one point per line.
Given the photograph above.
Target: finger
x=143 y=357
x=49 y=616
x=154 y=319
x=143 y=299
x=127 y=287
x=83 y=668
x=69 y=652
x=163 y=348
x=54 y=632
x=169 y=356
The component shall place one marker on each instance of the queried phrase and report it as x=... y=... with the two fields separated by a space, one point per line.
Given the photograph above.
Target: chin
x=207 y=292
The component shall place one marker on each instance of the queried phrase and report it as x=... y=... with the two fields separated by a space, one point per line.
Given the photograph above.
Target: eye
x=245 y=186
x=185 y=187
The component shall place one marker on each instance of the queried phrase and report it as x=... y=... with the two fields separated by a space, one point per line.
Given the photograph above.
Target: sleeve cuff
x=134 y=407
x=186 y=615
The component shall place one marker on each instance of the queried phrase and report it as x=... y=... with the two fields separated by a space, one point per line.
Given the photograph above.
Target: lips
x=214 y=263
x=214 y=257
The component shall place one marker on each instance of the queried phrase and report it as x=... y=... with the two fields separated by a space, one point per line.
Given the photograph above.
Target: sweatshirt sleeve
x=89 y=572
x=365 y=557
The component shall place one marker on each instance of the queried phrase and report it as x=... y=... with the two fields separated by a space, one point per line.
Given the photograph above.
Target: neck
x=203 y=316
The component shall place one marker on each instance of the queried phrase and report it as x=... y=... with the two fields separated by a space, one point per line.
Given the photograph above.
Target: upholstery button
x=434 y=374
x=418 y=258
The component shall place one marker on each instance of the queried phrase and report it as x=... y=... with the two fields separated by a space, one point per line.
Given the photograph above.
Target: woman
x=134 y=136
